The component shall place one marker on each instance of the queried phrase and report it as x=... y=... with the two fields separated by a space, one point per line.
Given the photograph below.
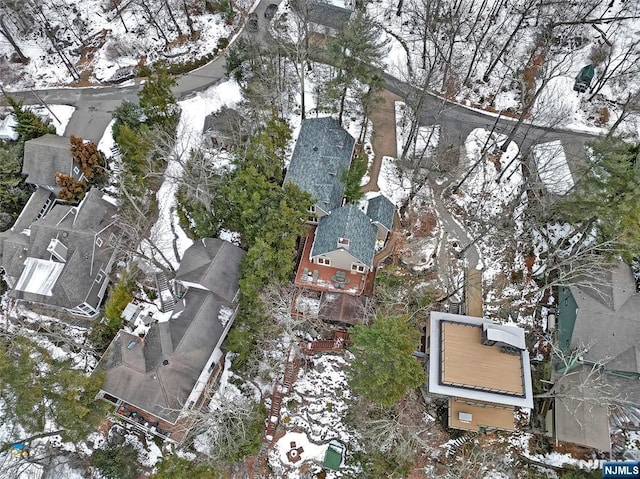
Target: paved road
x=94 y=106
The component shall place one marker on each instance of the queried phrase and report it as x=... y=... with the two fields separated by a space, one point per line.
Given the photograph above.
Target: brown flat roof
x=466 y=362
x=483 y=414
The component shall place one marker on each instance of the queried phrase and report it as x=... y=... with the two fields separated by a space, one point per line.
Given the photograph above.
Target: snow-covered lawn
x=194 y=111
x=552 y=167
x=313 y=415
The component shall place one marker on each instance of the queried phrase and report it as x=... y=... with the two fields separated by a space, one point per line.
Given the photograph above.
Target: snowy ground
x=312 y=416
x=57 y=115
x=112 y=41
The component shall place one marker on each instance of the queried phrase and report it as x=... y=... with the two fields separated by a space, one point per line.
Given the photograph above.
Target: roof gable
x=46 y=156
x=351 y=223
x=380 y=209
x=213 y=264
x=323 y=150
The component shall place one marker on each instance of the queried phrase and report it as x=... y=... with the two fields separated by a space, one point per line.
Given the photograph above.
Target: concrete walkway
x=384 y=136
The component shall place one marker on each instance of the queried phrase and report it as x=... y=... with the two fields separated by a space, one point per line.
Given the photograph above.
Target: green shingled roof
x=381 y=209
x=323 y=150
x=351 y=223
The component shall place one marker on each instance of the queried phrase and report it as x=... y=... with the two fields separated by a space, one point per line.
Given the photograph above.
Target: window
x=312 y=209
x=358 y=268
x=324 y=261
x=76 y=170
x=344 y=242
x=99 y=242
x=99 y=278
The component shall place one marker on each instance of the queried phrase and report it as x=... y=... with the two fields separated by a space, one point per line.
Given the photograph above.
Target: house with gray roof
x=345 y=239
x=63 y=257
x=601 y=320
x=47 y=155
x=164 y=374
x=221 y=127
x=323 y=18
x=323 y=151
x=381 y=211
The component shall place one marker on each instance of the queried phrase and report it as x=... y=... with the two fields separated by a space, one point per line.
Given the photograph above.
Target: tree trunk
x=7 y=34
x=173 y=19
x=496 y=60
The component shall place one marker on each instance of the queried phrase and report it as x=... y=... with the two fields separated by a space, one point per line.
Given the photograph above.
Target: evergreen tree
x=356 y=52
x=14 y=192
x=158 y=103
x=116 y=461
x=353 y=176
x=174 y=467
x=38 y=390
x=29 y=124
x=71 y=190
x=129 y=114
x=607 y=196
x=92 y=162
x=384 y=368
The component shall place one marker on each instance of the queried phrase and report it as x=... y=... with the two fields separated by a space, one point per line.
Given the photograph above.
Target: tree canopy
x=37 y=390
x=384 y=368
x=29 y=125
x=607 y=196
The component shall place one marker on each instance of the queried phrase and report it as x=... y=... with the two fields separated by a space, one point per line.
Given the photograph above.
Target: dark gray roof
x=381 y=210
x=213 y=264
x=351 y=223
x=325 y=14
x=579 y=419
x=76 y=228
x=323 y=150
x=224 y=120
x=37 y=201
x=44 y=157
x=185 y=342
x=609 y=327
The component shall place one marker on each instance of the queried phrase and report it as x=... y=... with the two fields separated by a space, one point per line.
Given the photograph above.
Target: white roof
x=510 y=335
x=39 y=276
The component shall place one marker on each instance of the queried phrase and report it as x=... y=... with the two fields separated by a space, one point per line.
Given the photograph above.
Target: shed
x=583 y=80
x=334 y=456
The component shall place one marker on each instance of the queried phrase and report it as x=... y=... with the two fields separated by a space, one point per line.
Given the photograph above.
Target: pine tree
x=14 y=192
x=158 y=103
x=356 y=52
x=607 y=195
x=384 y=368
x=353 y=176
x=71 y=190
x=29 y=124
x=91 y=161
x=38 y=390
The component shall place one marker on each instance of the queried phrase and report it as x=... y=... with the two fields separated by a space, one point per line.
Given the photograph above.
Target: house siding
x=341 y=259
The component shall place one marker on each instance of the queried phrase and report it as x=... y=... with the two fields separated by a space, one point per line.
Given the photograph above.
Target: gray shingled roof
x=212 y=263
x=323 y=150
x=380 y=209
x=351 y=223
x=76 y=228
x=609 y=332
x=327 y=15
x=44 y=157
x=139 y=375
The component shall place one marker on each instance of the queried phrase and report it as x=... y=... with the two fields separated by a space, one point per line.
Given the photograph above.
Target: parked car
x=252 y=22
x=270 y=11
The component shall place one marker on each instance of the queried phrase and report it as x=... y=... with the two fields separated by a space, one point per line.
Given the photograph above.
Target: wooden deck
x=466 y=362
x=335 y=345
x=321 y=278
x=483 y=414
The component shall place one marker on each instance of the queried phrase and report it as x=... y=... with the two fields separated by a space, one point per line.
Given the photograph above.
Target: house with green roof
x=323 y=151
